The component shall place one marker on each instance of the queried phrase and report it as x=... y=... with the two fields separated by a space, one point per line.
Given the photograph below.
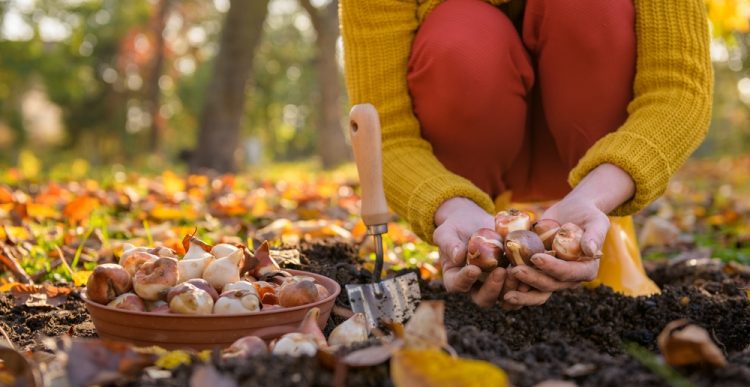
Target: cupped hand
x=601 y=191
x=457 y=219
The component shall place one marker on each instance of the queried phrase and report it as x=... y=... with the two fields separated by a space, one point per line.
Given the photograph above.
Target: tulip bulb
x=567 y=242
x=128 y=301
x=153 y=279
x=351 y=331
x=107 y=282
x=223 y=249
x=245 y=347
x=191 y=300
x=132 y=259
x=295 y=344
x=157 y=307
x=224 y=270
x=309 y=326
x=237 y=301
x=511 y=220
x=239 y=285
x=299 y=293
x=484 y=249
x=202 y=284
x=261 y=264
x=546 y=229
x=194 y=263
x=164 y=252
x=323 y=293
x=521 y=245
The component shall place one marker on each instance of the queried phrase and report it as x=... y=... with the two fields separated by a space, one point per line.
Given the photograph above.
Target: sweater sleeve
x=377 y=37
x=671 y=109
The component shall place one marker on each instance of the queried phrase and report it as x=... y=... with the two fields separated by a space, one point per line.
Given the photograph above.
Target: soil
x=587 y=336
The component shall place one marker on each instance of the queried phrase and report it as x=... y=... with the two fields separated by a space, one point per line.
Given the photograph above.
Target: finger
x=594 y=232
x=511 y=284
x=539 y=280
x=489 y=292
x=451 y=246
x=460 y=279
x=531 y=298
x=566 y=271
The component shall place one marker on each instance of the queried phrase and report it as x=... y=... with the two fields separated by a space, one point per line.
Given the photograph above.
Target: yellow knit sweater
x=668 y=115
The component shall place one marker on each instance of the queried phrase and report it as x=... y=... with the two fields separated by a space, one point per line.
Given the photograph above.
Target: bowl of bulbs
x=209 y=297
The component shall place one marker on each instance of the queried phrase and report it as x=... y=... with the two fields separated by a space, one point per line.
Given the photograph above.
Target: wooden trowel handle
x=364 y=128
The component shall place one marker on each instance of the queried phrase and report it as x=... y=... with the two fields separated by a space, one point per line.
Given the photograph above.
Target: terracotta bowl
x=173 y=331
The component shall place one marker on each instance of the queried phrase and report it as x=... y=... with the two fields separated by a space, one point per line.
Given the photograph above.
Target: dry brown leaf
x=425 y=329
x=39 y=295
x=683 y=343
x=658 y=232
x=94 y=361
x=371 y=356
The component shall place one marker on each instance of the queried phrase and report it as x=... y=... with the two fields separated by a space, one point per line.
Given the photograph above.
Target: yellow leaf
x=173 y=359
x=434 y=368
x=41 y=211
x=81 y=277
x=6 y=287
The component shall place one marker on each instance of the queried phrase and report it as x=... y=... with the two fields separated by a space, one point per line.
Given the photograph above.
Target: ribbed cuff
x=636 y=155
x=422 y=206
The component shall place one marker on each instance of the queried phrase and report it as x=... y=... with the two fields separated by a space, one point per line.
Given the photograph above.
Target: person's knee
x=467 y=52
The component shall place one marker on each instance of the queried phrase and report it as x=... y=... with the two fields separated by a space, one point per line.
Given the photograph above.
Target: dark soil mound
x=587 y=336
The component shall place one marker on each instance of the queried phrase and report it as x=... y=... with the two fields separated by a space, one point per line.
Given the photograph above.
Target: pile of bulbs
x=307 y=340
x=209 y=279
x=515 y=240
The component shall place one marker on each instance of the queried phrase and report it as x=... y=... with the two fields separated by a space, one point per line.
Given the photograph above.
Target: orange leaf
x=80 y=208
x=6 y=195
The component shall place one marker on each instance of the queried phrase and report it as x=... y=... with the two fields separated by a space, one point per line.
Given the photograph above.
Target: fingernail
x=592 y=247
x=511 y=299
x=537 y=261
x=496 y=275
x=518 y=270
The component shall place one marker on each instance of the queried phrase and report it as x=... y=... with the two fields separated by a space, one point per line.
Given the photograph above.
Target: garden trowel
x=393 y=299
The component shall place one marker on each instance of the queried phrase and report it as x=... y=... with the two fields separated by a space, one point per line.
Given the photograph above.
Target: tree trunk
x=332 y=146
x=222 y=111
x=153 y=97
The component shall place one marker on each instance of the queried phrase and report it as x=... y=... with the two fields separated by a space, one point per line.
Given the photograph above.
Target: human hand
x=601 y=191
x=457 y=219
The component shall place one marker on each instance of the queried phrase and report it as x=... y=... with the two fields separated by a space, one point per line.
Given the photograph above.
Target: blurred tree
x=153 y=90
x=218 y=135
x=332 y=146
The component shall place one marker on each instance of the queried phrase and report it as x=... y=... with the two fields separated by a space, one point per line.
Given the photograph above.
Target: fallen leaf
x=683 y=343
x=39 y=295
x=95 y=361
x=207 y=375
x=81 y=277
x=434 y=368
x=172 y=359
x=658 y=232
x=370 y=356
x=80 y=208
x=425 y=329
x=16 y=369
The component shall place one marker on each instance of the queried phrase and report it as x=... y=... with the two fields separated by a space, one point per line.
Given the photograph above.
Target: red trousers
x=516 y=111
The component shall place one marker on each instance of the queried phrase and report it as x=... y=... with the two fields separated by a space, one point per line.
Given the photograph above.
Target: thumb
x=594 y=232
x=451 y=246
